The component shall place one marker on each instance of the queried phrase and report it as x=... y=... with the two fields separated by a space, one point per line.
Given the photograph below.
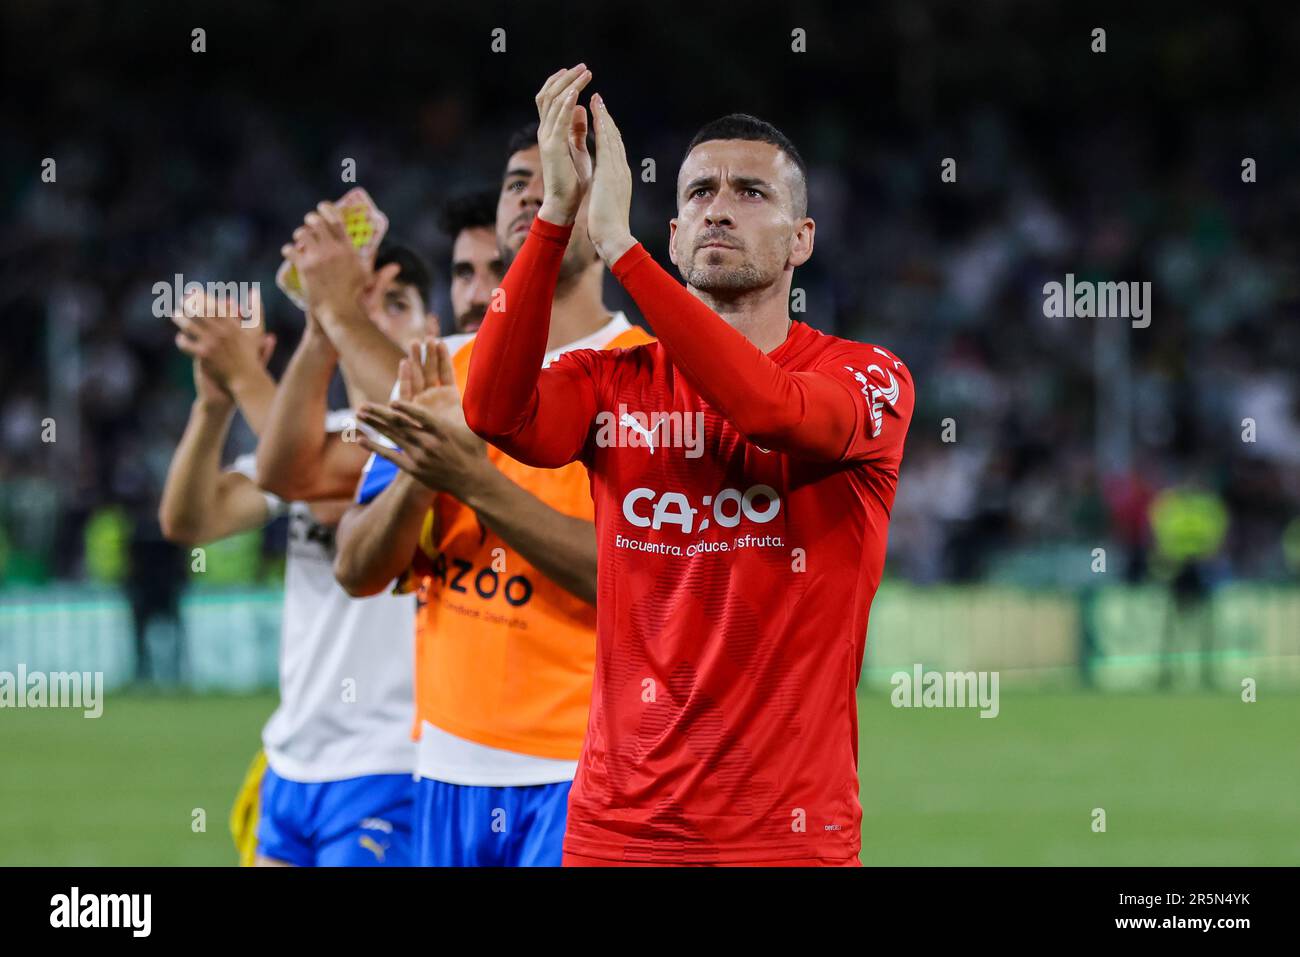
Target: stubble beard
x=723 y=280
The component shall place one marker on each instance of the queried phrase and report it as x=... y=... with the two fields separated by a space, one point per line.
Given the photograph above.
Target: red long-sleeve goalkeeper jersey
x=741 y=506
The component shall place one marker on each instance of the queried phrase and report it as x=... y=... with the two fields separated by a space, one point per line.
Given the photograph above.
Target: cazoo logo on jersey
x=646 y=508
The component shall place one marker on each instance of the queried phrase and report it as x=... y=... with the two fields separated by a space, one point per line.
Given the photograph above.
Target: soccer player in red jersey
x=735 y=572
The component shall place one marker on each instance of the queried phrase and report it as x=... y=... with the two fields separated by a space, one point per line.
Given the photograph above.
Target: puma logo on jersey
x=628 y=429
x=373 y=846
x=635 y=426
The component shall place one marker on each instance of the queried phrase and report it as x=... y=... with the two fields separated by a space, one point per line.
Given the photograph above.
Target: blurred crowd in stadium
x=1065 y=432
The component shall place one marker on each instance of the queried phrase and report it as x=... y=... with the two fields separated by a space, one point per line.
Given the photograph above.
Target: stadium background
x=1123 y=166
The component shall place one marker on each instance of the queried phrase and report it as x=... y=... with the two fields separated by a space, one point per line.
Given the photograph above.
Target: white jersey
x=346 y=700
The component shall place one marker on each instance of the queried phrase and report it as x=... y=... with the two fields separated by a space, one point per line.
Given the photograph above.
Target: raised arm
x=201 y=503
x=296 y=458
x=539 y=417
x=561 y=547
x=378 y=535
x=336 y=281
x=439 y=452
x=232 y=352
x=817 y=415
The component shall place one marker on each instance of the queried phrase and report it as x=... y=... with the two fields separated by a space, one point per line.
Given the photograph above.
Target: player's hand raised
x=227 y=348
x=333 y=277
x=562 y=141
x=427 y=423
x=611 y=189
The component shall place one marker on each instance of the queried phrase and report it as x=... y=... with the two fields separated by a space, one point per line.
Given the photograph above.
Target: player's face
x=401 y=315
x=521 y=198
x=476 y=269
x=737 y=227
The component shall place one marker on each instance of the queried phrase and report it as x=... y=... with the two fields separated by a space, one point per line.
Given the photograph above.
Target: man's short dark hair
x=412 y=270
x=742 y=126
x=472 y=209
x=525 y=138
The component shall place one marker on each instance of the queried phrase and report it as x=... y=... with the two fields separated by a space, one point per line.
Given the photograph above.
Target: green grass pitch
x=1184 y=779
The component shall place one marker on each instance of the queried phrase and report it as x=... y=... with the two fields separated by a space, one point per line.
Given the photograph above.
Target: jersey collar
x=616 y=326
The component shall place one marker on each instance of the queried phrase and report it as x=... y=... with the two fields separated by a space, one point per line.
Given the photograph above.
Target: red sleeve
x=811 y=415
x=883 y=397
x=539 y=417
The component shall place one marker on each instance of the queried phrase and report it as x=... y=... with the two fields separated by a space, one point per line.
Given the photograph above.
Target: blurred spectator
x=1064 y=429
